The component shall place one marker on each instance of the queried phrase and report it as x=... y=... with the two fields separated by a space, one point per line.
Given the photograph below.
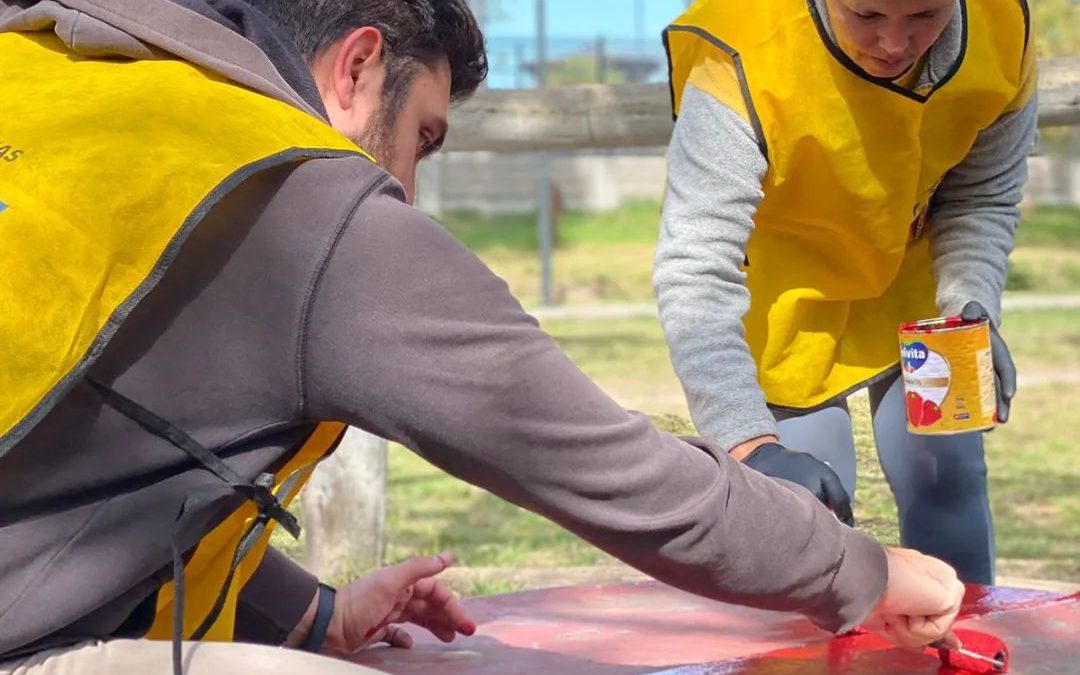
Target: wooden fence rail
x=639 y=115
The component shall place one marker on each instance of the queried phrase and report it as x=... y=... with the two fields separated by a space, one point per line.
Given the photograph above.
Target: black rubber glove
x=773 y=459
x=1004 y=369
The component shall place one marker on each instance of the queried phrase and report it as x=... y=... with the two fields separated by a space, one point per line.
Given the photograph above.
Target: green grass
x=637 y=222
x=1050 y=226
x=599 y=257
x=1034 y=466
x=607 y=257
x=1044 y=269
x=431 y=512
x=1034 y=463
x=1033 y=449
x=1043 y=341
x=634 y=222
x=1035 y=492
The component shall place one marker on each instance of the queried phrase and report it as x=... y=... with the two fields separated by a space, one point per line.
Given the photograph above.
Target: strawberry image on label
x=927 y=377
x=931 y=413
x=914 y=408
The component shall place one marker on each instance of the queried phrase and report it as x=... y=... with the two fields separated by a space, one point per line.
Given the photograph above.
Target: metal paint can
x=948 y=376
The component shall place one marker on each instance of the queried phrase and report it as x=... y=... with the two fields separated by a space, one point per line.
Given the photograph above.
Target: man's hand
x=920 y=603
x=1004 y=369
x=773 y=459
x=365 y=610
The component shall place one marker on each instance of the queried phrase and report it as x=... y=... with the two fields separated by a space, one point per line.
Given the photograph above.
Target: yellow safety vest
x=837 y=259
x=106 y=166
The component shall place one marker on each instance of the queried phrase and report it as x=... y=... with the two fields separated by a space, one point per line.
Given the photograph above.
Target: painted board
x=646 y=627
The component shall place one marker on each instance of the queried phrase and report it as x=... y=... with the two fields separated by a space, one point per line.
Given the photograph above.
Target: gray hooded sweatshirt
x=314 y=292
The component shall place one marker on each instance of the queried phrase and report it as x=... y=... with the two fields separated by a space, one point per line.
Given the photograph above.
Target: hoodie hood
x=228 y=37
x=248 y=22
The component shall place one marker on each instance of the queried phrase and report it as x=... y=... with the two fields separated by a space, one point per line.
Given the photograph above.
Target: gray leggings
x=939 y=482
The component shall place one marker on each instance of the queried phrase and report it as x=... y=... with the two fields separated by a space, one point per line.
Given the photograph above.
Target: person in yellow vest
x=210 y=266
x=839 y=167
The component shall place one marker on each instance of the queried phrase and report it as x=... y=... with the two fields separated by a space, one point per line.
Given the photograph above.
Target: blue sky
x=572 y=26
x=585 y=18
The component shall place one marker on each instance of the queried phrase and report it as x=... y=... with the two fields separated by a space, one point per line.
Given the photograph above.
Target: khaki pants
x=152 y=657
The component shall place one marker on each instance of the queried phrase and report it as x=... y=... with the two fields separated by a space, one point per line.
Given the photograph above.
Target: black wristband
x=325 y=609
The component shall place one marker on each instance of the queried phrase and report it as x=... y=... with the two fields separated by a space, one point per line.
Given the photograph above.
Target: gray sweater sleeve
x=411 y=337
x=715 y=171
x=975 y=212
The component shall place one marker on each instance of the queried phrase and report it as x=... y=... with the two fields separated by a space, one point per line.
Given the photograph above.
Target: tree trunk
x=345 y=508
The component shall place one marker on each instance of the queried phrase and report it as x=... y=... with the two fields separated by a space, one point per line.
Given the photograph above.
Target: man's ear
x=356 y=65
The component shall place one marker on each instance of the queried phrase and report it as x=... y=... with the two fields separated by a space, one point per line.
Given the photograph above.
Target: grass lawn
x=1034 y=462
x=1051 y=226
x=604 y=257
x=607 y=258
x=1035 y=470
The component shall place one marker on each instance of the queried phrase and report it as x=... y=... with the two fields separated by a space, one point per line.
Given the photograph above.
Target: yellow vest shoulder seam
x=751 y=114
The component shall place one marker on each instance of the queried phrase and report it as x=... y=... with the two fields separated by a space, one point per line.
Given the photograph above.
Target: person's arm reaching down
x=411 y=337
x=715 y=170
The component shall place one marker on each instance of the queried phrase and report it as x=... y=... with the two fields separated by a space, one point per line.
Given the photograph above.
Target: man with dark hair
x=416 y=34
x=205 y=280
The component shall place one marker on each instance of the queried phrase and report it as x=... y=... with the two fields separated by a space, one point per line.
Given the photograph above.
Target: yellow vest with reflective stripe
x=107 y=166
x=838 y=257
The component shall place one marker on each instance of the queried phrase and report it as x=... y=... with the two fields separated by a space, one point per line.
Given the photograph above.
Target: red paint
x=932 y=325
x=951 y=661
x=979 y=643
x=634 y=629
x=981 y=600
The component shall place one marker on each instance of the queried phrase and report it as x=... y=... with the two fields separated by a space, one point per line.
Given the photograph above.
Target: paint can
x=948 y=376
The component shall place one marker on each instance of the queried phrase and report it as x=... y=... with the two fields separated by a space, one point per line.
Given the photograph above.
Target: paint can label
x=948 y=376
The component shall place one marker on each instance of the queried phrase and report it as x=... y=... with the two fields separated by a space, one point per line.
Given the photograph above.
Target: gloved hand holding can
x=958 y=374
x=1004 y=369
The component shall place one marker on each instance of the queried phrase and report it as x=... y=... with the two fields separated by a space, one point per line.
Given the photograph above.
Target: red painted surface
x=631 y=629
